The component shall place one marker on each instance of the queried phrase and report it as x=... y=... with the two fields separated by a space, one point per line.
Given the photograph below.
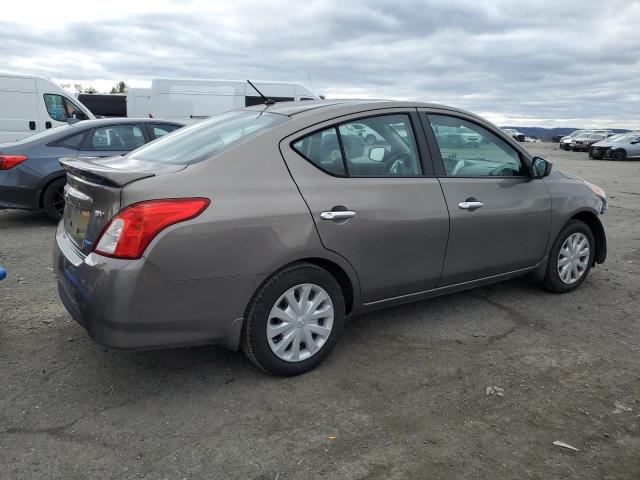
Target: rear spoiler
x=114 y=171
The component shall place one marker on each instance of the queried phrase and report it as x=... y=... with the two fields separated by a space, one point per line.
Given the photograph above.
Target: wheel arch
x=44 y=184
x=595 y=225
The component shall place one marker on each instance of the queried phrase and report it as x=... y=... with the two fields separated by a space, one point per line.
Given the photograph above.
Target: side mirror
x=540 y=168
x=377 y=154
x=634 y=142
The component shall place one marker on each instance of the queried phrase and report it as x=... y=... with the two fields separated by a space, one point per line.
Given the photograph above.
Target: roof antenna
x=267 y=101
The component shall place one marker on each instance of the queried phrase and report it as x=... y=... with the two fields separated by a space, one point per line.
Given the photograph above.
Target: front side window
x=469 y=150
x=61 y=109
x=380 y=146
x=210 y=137
x=117 y=138
x=72 y=110
x=55 y=107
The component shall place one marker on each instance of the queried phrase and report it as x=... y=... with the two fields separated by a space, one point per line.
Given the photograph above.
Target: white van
x=138 y=102
x=31 y=104
x=188 y=101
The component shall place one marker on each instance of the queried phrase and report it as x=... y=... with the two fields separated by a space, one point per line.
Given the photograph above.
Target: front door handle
x=470 y=205
x=337 y=215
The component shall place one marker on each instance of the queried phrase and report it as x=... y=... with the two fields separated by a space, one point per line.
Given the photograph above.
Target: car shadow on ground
x=25 y=218
x=170 y=368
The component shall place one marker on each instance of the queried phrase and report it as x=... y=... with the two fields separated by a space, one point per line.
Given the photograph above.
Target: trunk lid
x=93 y=193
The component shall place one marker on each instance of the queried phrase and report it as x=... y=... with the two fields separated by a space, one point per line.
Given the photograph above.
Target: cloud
x=571 y=63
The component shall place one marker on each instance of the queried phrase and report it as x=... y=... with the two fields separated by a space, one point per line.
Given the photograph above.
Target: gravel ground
x=402 y=396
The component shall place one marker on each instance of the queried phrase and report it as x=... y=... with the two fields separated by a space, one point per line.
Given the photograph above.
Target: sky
x=525 y=63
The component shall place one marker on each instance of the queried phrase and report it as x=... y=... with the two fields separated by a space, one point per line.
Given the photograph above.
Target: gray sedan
x=265 y=228
x=620 y=147
x=31 y=177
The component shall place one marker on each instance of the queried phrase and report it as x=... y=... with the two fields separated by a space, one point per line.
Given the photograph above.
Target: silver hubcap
x=300 y=322
x=573 y=258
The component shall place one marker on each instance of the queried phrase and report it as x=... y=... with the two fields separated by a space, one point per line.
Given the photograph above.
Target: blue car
x=31 y=177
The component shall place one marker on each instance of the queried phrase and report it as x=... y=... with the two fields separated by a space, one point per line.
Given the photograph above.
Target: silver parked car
x=566 y=141
x=618 y=147
x=266 y=227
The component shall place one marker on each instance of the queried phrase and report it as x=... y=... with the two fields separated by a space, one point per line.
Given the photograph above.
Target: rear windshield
x=207 y=138
x=54 y=133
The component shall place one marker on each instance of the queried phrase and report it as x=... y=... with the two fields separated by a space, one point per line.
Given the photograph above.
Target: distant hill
x=548 y=133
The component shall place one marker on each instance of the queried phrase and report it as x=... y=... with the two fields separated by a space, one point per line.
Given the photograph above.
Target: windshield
x=623 y=137
x=203 y=140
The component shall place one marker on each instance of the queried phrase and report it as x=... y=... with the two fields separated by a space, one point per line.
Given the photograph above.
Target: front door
x=500 y=216
x=375 y=203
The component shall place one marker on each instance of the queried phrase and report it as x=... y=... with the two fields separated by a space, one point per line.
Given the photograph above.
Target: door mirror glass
x=377 y=154
x=540 y=168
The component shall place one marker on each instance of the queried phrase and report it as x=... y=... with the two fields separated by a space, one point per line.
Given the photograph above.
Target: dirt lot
x=403 y=393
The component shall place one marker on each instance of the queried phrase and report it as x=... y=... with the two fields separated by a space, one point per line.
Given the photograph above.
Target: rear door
x=380 y=207
x=500 y=216
x=116 y=139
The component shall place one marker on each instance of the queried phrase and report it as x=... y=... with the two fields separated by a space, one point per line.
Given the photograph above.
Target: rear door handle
x=470 y=205
x=337 y=215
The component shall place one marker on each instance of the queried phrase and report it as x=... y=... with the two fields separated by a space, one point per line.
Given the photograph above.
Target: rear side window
x=117 y=138
x=72 y=142
x=160 y=129
x=207 y=138
x=323 y=150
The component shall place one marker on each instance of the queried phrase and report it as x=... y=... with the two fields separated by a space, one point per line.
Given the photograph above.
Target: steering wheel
x=456 y=168
x=399 y=164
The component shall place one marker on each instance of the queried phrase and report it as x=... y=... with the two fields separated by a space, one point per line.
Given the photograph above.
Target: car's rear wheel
x=619 y=154
x=570 y=258
x=53 y=199
x=294 y=320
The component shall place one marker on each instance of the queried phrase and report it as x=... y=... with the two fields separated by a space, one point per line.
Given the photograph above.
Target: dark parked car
x=582 y=142
x=31 y=177
x=515 y=134
x=265 y=227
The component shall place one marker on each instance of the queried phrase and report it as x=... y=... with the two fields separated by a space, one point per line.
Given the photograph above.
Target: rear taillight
x=129 y=233
x=10 y=161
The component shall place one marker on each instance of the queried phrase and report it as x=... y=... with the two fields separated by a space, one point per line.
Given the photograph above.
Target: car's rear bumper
x=133 y=304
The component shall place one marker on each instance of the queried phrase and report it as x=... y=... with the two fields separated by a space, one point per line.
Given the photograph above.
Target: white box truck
x=30 y=104
x=188 y=101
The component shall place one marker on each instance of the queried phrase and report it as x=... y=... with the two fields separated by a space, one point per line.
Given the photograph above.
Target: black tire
x=552 y=280
x=619 y=154
x=255 y=343
x=53 y=199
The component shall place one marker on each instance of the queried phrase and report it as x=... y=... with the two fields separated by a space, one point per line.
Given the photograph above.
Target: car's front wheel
x=570 y=258
x=619 y=154
x=294 y=320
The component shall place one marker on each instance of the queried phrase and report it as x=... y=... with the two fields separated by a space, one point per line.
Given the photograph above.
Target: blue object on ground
x=3 y=273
